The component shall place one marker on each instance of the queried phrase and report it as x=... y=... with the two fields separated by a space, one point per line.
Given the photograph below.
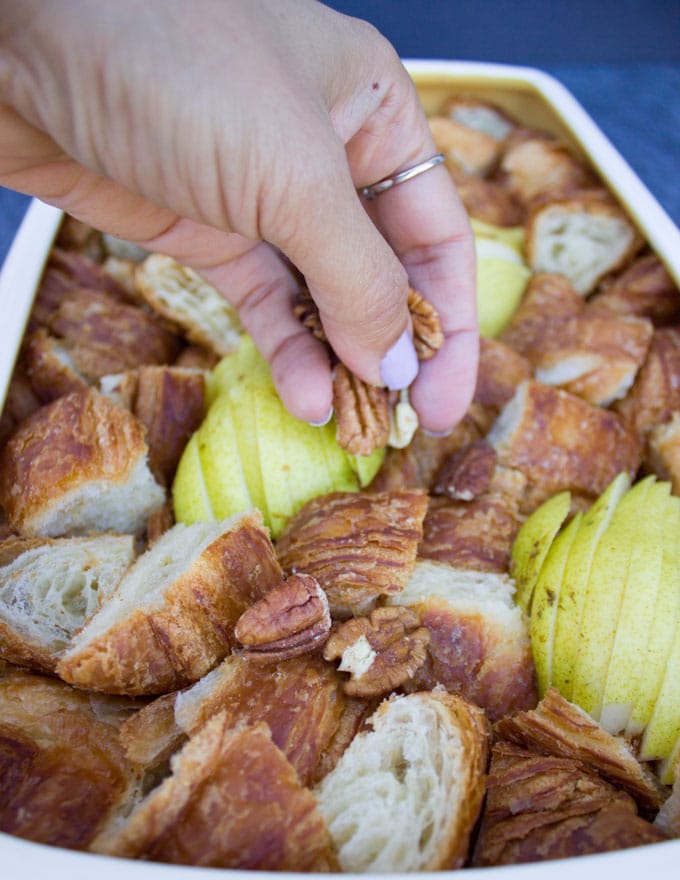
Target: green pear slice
x=544 y=605
x=663 y=729
x=242 y=396
x=532 y=544
x=668 y=767
x=615 y=562
x=269 y=415
x=221 y=461
x=576 y=574
x=663 y=626
x=636 y=613
x=189 y=492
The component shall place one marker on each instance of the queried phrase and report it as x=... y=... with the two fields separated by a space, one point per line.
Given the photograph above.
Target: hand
x=233 y=135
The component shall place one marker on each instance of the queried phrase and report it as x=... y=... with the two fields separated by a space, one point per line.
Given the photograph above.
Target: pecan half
x=362 y=413
x=428 y=336
x=381 y=651
x=293 y=618
x=306 y=311
x=467 y=473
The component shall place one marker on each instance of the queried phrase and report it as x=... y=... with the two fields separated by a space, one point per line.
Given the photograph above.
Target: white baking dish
x=537 y=100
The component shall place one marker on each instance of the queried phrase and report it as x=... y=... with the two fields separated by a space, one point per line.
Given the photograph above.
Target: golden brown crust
x=77 y=439
x=536 y=166
x=51 y=369
x=655 y=395
x=548 y=297
x=645 y=289
x=161 y=647
x=560 y=728
x=358 y=546
x=301 y=700
x=593 y=356
x=475 y=534
x=472 y=654
x=541 y=807
x=471 y=151
x=501 y=369
x=104 y=336
x=151 y=735
x=487 y=200
x=62 y=770
x=560 y=441
x=233 y=801
x=170 y=403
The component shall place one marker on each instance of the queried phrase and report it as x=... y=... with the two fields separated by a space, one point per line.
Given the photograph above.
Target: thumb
x=358 y=283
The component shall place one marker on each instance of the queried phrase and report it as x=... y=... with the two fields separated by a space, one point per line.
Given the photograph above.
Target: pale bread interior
x=396 y=790
x=146 y=582
x=48 y=592
x=579 y=244
x=103 y=506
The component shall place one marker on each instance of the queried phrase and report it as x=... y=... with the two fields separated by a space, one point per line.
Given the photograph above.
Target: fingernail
x=399 y=366
x=437 y=434
x=323 y=421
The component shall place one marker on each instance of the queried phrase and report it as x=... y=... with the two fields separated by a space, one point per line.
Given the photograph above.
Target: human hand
x=233 y=136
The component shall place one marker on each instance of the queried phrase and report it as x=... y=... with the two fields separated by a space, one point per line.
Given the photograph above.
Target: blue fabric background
x=621 y=60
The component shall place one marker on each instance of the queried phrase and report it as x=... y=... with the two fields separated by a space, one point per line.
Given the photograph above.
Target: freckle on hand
x=376 y=86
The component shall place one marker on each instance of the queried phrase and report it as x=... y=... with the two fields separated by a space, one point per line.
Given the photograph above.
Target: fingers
x=357 y=281
x=428 y=228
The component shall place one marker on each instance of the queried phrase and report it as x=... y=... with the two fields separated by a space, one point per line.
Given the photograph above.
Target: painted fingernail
x=323 y=421
x=399 y=366
x=438 y=434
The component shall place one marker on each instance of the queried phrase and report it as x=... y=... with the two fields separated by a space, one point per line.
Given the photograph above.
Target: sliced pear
x=615 y=563
x=663 y=728
x=545 y=600
x=501 y=280
x=242 y=366
x=668 y=769
x=663 y=626
x=223 y=472
x=532 y=544
x=189 y=493
x=575 y=583
x=365 y=467
x=514 y=236
x=636 y=614
x=269 y=415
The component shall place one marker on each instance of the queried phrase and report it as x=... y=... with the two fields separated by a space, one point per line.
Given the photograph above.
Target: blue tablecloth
x=636 y=105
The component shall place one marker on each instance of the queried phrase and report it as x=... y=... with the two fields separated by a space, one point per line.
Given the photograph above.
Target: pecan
x=380 y=651
x=428 y=336
x=467 y=473
x=361 y=413
x=293 y=618
x=306 y=311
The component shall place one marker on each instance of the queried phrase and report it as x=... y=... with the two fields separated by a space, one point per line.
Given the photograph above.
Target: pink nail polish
x=399 y=366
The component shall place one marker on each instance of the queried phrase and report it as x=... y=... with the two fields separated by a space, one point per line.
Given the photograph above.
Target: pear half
x=532 y=543
x=575 y=583
x=616 y=566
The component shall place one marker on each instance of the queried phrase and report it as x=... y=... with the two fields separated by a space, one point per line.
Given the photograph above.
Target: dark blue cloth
x=636 y=105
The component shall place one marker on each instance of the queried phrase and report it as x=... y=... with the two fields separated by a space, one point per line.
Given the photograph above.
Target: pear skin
x=269 y=416
x=575 y=583
x=663 y=626
x=221 y=461
x=189 y=492
x=544 y=605
x=615 y=562
x=636 y=613
x=532 y=544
